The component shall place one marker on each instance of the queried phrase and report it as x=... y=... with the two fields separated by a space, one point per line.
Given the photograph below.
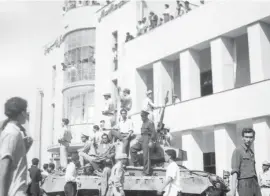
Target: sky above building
x=26 y=26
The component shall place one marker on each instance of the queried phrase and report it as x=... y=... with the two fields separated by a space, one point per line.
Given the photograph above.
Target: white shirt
x=167 y=11
x=173 y=188
x=44 y=174
x=148 y=104
x=264 y=178
x=98 y=137
x=71 y=174
x=108 y=106
x=125 y=126
x=12 y=145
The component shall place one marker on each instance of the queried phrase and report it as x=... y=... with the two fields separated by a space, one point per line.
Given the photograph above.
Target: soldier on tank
x=148 y=137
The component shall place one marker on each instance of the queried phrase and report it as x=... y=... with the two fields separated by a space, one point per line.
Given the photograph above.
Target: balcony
x=196 y=27
x=225 y=107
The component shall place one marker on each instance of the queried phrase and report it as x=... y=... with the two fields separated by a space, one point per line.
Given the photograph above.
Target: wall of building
x=116 y=21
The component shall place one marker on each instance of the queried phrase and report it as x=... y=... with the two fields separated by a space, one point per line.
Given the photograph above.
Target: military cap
x=144 y=112
x=107 y=94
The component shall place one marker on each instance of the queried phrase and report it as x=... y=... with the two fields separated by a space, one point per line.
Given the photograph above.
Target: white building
x=215 y=58
x=70 y=78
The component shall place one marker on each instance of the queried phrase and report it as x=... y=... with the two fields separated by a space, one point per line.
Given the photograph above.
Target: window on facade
x=209 y=162
x=53 y=80
x=115 y=50
x=79 y=108
x=79 y=56
x=206 y=83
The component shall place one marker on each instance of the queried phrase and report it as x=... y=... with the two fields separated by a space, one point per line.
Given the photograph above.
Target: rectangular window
x=115 y=50
x=206 y=83
x=209 y=162
x=53 y=80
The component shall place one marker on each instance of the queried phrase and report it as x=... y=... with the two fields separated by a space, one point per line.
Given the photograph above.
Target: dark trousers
x=70 y=189
x=123 y=137
x=142 y=144
x=249 y=187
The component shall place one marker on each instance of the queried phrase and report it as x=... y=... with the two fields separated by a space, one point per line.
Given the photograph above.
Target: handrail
x=251 y=84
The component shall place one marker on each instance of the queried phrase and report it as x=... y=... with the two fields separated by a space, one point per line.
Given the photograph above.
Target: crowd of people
x=145 y=25
x=107 y=151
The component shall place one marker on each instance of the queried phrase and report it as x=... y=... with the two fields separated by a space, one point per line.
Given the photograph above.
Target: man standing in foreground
x=70 y=187
x=172 y=183
x=243 y=167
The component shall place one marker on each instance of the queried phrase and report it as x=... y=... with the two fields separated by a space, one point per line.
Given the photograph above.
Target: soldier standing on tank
x=116 y=181
x=148 y=136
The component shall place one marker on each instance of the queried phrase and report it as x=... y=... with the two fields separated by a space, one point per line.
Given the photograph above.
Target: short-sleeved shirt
x=125 y=126
x=243 y=162
x=12 y=145
x=126 y=102
x=264 y=179
x=148 y=127
x=173 y=171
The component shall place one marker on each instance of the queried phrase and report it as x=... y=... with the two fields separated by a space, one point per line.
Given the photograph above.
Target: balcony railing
x=76 y=4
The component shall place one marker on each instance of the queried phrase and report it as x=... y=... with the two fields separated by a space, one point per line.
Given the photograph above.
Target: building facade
x=215 y=58
x=70 y=78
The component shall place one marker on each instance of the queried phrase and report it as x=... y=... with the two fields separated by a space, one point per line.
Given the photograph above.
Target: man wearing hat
x=108 y=111
x=264 y=179
x=148 y=135
x=148 y=105
x=172 y=183
x=116 y=181
x=88 y=150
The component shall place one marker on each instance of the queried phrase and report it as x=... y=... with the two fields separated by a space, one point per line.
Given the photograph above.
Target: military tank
x=192 y=182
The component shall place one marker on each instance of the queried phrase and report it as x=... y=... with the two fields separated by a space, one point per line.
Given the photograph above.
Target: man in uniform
x=243 y=167
x=116 y=180
x=36 y=177
x=87 y=151
x=148 y=136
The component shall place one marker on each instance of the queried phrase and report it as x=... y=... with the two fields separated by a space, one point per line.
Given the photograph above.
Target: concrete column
x=222 y=60
x=190 y=75
x=261 y=143
x=141 y=88
x=259 y=50
x=225 y=143
x=192 y=143
x=163 y=81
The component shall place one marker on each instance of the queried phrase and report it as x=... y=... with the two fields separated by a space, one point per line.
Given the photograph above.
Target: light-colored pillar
x=192 y=143
x=225 y=143
x=259 y=50
x=222 y=60
x=163 y=75
x=190 y=75
x=141 y=88
x=261 y=143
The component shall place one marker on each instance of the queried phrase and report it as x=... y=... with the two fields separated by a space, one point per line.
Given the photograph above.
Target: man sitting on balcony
x=88 y=151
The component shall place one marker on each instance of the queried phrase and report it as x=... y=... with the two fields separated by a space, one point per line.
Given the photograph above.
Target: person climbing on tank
x=147 y=140
x=117 y=178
